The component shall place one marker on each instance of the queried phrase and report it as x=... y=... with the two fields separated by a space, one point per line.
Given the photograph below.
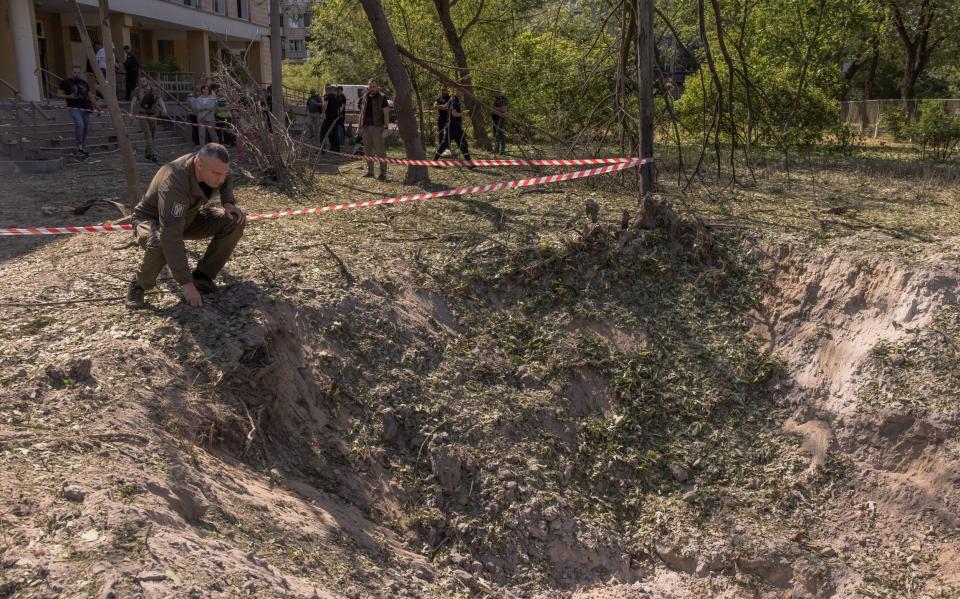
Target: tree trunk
x=463 y=74
x=868 y=84
x=276 y=62
x=127 y=154
x=628 y=40
x=917 y=49
x=907 y=85
x=406 y=119
x=645 y=63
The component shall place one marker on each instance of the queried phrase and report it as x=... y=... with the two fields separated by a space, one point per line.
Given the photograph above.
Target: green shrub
x=846 y=138
x=937 y=131
x=780 y=118
x=895 y=122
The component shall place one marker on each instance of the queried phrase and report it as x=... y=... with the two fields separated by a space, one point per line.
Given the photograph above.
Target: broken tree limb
x=110 y=95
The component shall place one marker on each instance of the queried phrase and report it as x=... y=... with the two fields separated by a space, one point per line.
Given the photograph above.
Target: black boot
x=203 y=283
x=135 y=292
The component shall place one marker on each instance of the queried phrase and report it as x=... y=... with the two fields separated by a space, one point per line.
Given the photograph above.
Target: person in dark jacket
x=441 y=105
x=331 y=116
x=499 y=118
x=342 y=121
x=454 y=131
x=374 y=123
x=131 y=68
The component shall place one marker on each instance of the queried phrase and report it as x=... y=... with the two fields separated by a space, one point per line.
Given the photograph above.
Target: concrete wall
x=8 y=58
x=56 y=55
x=8 y=61
x=181 y=51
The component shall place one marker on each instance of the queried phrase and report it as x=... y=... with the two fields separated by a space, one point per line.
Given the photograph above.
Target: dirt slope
x=488 y=397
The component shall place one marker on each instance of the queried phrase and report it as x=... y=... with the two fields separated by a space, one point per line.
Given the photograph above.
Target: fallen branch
x=343 y=267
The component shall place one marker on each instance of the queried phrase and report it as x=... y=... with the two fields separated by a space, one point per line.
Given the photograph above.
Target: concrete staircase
x=31 y=131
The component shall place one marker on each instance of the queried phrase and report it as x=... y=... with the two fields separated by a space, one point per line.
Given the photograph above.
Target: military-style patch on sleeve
x=176 y=211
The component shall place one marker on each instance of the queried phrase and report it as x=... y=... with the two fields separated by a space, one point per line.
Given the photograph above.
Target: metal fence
x=867 y=117
x=178 y=84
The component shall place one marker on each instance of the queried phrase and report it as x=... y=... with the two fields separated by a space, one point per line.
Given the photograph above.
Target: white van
x=353 y=94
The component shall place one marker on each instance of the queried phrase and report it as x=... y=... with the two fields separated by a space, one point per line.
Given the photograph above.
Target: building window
x=243 y=9
x=296 y=46
x=165 y=50
x=220 y=7
x=192 y=3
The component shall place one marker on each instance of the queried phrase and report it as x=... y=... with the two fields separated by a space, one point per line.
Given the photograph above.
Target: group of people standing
x=450 y=113
x=326 y=116
x=208 y=111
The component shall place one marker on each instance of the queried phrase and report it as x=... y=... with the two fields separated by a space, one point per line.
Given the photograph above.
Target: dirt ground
x=491 y=396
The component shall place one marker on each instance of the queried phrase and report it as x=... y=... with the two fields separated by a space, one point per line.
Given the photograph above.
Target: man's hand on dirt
x=192 y=296
x=235 y=213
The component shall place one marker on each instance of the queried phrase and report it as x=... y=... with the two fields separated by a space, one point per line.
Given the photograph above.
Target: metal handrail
x=164 y=90
x=9 y=85
x=50 y=73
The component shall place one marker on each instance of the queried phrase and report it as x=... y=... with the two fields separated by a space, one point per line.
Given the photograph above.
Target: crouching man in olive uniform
x=175 y=208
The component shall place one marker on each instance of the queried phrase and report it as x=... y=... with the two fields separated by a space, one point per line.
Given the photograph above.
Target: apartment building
x=40 y=41
x=296 y=30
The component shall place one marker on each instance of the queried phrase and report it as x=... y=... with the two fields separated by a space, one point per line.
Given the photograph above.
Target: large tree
x=922 y=26
x=108 y=89
x=464 y=77
x=403 y=90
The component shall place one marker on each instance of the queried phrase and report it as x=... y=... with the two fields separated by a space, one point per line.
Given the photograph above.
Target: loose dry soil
x=490 y=396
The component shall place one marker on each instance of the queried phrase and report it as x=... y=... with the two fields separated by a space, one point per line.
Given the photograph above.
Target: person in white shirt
x=206 y=105
x=101 y=58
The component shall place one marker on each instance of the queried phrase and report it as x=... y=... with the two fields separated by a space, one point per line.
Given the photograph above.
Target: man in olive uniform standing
x=146 y=102
x=374 y=118
x=174 y=209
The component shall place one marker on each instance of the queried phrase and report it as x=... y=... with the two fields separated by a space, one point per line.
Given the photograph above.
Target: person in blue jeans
x=79 y=98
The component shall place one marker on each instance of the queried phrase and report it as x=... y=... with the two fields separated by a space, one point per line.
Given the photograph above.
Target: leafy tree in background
x=779 y=66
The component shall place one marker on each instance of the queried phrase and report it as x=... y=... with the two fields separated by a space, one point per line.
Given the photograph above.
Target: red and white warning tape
x=21 y=231
x=229 y=128
x=459 y=191
x=500 y=162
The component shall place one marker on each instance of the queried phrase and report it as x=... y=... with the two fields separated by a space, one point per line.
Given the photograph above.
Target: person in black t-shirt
x=331 y=115
x=454 y=131
x=79 y=98
x=443 y=111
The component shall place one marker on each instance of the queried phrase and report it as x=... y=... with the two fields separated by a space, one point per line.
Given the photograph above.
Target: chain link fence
x=867 y=117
